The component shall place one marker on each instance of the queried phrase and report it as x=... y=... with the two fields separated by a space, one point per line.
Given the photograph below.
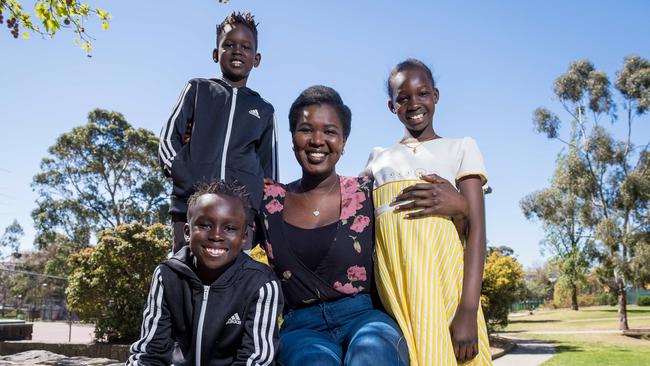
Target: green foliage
x=643 y=301
x=537 y=286
x=12 y=235
x=51 y=17
x=502 y=277
x=566 y=218
x=31 y=289
x=609 y=177
x=99 y=175
x=109 y=283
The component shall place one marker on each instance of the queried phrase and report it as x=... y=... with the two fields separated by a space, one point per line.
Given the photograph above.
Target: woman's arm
x=464 y=329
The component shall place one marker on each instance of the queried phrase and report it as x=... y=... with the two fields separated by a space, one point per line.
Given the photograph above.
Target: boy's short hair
x=245 y=18
x=408 y=64
x=319 y=94
x=222 y=188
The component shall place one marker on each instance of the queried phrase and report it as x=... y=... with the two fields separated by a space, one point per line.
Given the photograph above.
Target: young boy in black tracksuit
x=220 y=129
x=211 y=304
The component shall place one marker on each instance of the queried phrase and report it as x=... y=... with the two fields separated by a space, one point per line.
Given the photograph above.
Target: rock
x=45 y=358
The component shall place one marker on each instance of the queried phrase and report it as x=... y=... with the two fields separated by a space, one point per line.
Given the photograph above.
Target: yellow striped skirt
x=419 y=272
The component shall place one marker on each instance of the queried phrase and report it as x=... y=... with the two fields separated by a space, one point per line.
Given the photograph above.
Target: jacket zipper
x=199 y=333
x=228 y=131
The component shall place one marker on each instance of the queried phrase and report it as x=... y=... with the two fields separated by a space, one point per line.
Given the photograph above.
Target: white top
x=451 y=159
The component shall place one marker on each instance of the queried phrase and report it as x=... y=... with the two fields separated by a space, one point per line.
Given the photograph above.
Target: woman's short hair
x=319 y=94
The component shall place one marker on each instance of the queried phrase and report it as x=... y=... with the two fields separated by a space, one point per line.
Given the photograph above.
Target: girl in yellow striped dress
x=426 y=279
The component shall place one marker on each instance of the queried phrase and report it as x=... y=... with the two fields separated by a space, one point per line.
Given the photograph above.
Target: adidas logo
x=234 y=319
x=254 y=112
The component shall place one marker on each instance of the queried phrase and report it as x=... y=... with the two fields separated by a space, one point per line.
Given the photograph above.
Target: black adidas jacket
x=233 y=138
x=234 y=321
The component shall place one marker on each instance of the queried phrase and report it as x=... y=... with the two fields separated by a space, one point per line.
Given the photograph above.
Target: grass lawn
x=587 y=349
x=588 y=318
x=597 y=349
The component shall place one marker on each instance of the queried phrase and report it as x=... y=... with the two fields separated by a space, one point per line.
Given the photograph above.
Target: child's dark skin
x=216 y=232
x=413 y=100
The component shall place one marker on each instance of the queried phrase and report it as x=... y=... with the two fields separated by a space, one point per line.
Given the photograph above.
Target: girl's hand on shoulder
x=464 y=335
x=187 y=135
x=437 y=197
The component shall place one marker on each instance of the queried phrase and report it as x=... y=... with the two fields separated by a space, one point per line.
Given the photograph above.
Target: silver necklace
x=316 y=211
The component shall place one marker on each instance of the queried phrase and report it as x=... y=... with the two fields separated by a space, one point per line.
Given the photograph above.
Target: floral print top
x=345 y=270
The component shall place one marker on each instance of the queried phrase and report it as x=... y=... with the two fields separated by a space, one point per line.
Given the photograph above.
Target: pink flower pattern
x=357 y=273
x=274 y=206
x=274 y=190
x=360 y=223
x=347 y=289
x=269 y=249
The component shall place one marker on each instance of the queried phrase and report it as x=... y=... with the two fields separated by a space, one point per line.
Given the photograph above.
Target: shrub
x=643 y=301
x=109 y=283
x=606 y=298
x=502 y=277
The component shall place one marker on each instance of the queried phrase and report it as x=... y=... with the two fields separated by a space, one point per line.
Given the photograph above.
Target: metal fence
x=32 y=296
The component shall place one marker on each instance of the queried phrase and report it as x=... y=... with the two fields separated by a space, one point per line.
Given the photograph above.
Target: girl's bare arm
x=464 y=327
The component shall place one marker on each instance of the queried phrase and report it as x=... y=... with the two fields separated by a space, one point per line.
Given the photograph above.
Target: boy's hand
x=187 y=135
x=438 y=197
x=464 y=335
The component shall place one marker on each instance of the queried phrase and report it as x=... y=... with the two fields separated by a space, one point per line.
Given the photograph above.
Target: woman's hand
x=464 y=335
x=437 y=197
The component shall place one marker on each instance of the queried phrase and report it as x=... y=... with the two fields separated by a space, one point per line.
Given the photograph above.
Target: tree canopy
x=611 y=175
x=98 y=176
x=11 y=237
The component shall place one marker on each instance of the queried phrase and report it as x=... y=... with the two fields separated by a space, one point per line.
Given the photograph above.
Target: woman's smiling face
x=318 y=140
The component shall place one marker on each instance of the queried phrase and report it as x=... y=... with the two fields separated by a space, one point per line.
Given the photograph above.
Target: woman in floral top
x=319 y=239
x=318 y=236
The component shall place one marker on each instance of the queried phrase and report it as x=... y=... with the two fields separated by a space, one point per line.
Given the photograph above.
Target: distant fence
x=526 y=305
x=32 y=296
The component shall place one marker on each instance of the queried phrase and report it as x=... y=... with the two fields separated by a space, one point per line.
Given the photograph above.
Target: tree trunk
x=574 y=296
x=622 y=305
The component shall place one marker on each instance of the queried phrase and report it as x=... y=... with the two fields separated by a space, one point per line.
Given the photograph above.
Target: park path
x=527 y=352
x=58 y=332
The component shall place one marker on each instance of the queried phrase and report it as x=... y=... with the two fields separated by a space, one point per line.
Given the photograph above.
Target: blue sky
x=494 y=62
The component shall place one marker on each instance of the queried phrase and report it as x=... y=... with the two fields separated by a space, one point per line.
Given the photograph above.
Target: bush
x=643 y=301
x=606 y=298
x=502 y=277
x=109 y=283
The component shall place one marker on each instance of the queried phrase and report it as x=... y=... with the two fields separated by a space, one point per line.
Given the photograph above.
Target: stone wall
x=118 y=352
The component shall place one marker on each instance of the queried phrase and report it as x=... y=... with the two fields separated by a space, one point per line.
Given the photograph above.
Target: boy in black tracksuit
x=211 y=304
x=220 y=129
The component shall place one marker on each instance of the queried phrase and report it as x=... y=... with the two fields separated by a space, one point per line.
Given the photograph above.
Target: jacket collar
x=225 y=84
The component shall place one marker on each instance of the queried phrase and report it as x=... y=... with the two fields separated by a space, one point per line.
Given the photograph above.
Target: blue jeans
x=343 y=332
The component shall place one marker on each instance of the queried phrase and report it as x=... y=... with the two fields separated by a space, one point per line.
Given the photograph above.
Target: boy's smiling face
x=216 y=232
x=237 y=54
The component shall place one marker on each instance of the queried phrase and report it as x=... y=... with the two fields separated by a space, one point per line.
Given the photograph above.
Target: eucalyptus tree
x=99 y=175
x=567 y=219
x=612 y=173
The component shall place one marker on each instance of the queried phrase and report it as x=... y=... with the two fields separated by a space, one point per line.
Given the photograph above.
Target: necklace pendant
x=315 y=212
x=415 y=149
